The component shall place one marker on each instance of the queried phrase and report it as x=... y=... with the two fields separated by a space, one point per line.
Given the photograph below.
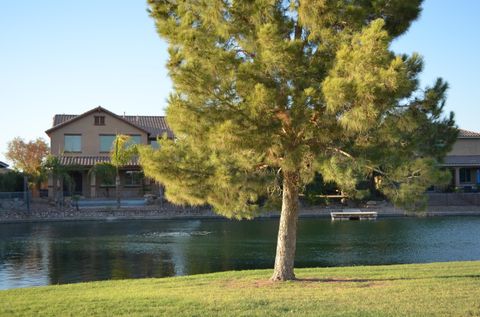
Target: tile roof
x=154 y=125
x=461 y=160
x=90 y=160
x=467 y=134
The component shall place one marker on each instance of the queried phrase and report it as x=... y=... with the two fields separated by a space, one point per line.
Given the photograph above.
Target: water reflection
x=57 y=253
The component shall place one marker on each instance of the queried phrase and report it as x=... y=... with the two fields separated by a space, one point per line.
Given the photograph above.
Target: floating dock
x=353 y=214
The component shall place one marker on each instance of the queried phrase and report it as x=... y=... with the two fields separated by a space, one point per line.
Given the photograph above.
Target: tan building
x=464 y=160
x=81 y=141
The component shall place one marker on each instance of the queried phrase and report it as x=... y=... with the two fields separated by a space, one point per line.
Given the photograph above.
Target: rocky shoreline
x=42 y=211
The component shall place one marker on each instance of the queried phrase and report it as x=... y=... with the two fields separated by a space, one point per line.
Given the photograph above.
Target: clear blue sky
x=70 y=56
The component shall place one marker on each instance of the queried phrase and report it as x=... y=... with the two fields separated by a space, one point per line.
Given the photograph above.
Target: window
x=465 y=175
x=133 y=178
x=72 y=143
x=135 y=139
x=106 y=142
x=154 y=144
x=99 y=120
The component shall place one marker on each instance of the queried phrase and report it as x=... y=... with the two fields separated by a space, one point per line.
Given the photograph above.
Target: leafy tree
x=60 y=173
x=27 y=157
x=11 y=181
x=122 y=152
x=269 y=92
x=106 y=173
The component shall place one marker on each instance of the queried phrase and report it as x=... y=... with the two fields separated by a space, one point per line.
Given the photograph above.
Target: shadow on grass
x=353 y=280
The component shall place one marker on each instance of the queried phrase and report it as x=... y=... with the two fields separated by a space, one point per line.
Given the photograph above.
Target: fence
x=454 y=199
x=15 y=200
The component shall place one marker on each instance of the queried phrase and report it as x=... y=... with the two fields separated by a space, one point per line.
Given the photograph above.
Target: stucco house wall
x=90 y=134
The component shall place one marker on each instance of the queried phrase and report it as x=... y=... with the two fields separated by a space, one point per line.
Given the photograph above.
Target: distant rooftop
x=468 y=134
x=154 y=125
x=3 y=165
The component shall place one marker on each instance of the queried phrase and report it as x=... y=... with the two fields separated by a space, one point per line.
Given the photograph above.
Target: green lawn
x=437 y=289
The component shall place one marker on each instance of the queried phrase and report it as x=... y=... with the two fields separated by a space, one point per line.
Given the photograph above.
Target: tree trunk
x=54 y=189
x=117 y=188
x=287 y=231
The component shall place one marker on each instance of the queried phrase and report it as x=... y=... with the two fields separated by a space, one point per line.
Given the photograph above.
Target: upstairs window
x=135 y=139
x=72 y=143
x=106 y=142
x=99 y=120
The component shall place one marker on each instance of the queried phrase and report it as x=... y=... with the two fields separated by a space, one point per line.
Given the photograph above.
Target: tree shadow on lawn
x=333 y=280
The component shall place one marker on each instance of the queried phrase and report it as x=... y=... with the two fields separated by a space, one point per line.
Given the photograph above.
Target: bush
x=11 y=182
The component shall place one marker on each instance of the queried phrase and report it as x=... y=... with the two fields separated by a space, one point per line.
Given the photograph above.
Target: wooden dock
x=353 y=214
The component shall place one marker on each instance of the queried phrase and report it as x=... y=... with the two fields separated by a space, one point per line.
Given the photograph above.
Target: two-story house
x=81 y=141
x=464 y=161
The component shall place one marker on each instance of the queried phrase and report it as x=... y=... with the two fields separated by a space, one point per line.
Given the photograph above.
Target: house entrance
x=75 y=185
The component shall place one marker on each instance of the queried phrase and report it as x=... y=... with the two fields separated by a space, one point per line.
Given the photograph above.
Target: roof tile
x=468 y=134
x=91 y=160
x=154 y=125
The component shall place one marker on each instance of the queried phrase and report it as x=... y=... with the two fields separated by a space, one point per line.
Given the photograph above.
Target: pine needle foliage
x=264 y=87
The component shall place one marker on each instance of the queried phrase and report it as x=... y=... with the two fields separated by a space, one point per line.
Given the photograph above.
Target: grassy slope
x=438 y=289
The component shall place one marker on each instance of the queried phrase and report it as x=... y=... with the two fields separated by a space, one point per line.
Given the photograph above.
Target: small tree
x=60 y=176
x=27 y=157
x=106 y=173
x=11 y=181
x=270 y=92
x=121 y=154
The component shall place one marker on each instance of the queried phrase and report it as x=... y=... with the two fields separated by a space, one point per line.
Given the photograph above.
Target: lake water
x=68 y=252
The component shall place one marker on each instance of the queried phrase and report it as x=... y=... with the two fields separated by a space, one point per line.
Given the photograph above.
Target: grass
x=436 y=289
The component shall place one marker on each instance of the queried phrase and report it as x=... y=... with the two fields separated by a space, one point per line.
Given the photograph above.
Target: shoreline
x=172 y=212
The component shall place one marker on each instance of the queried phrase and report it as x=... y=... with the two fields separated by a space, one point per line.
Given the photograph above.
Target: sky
x=67 y=57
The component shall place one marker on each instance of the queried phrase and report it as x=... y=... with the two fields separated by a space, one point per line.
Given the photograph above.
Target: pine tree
x=266 y=93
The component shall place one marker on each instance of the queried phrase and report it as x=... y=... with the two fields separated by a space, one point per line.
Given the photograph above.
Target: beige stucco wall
x=91 y=133
x=466 y=147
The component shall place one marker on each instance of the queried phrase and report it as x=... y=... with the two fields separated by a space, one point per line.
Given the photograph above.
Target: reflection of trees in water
x=24 y=252
x=88 y=251
x=106 y=253
x=38 y=254
x=232 y=245
x=334 y=243
x=99 y=263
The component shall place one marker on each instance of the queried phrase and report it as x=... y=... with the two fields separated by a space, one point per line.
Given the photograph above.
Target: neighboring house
x=81 y=141
x=464 y=161
x=3 y=167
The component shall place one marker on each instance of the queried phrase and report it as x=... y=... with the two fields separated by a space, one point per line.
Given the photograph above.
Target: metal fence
x=454 y=199
x=15 y=201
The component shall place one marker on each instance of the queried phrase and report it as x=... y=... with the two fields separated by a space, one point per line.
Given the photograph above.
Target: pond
x=68 y=252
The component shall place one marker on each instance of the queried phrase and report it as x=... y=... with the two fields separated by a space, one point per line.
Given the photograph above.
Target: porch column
x=93 y=185
x=457 y=176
